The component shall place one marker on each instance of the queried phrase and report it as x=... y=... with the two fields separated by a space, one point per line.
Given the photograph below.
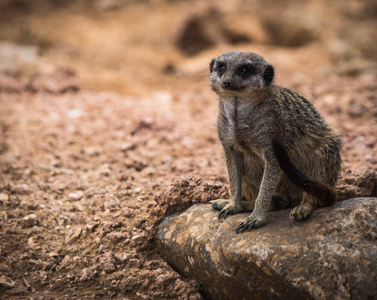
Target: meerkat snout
x=227 y=84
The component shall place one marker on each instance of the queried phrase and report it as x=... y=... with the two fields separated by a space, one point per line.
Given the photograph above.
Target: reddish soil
x=99 y=140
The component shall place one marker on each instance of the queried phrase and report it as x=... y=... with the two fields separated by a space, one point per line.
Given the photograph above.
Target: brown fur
x=266 y=129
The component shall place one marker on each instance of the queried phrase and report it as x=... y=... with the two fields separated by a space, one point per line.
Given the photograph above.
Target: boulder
x=332 y=255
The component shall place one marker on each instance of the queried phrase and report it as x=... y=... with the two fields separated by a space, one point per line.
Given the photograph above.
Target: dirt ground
x=107 y=124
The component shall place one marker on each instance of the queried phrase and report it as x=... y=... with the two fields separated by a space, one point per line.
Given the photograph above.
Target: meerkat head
x=239 y=73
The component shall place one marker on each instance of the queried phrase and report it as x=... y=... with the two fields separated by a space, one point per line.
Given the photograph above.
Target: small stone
x=152 y=204
x=105 y=170
x=93 y=151
x=137 y=239
x=29 y=221
x=127 y=147
x=21 y=189
x=4 y=268
x=128 y=212
x=92 y=226
x=110 y=226
x=6 y=282
x=122 y=257
x=32 y=243
x=87 y=274
x=71 y=239
x=67 y=260
x=111 y=203
x=163 y=279
x=75 y=196
x=116 y=236
x=4 y=197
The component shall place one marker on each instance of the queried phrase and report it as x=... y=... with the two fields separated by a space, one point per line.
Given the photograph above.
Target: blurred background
x=138 y=46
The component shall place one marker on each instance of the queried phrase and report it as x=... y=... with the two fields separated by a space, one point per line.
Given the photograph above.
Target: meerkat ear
x=211 y=65
x=268 y=75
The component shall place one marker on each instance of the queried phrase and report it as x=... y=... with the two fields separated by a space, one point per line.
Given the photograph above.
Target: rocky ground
x=97 y=146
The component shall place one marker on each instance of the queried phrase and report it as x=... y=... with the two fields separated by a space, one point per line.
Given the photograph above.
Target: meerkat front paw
x=301 y=212
x=219 y=204
x=226 y=207
x=251 y=222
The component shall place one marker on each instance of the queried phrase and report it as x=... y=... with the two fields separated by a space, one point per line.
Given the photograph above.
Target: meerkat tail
x=319 y=190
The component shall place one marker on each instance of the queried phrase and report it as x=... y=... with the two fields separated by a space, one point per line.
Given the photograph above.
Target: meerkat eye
x=246 y=70
x=221 y=67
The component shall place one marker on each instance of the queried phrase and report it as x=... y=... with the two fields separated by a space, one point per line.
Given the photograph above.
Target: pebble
x=4 y=197
x=112 y=203
x=71 y=239
x=33 y=244
x=127 y=146
x=92 y=226
x=6 y=282
x=67 y=260
x=30 y=221
x=128 y=212
x=4 y=268
x=137 y=239
x=75 y=196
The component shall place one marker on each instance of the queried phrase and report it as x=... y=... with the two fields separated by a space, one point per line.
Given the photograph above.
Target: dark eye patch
x=246 y=70
x=221 y=67
x=211 y=65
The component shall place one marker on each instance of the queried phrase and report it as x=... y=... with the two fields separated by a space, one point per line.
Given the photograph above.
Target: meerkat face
x=240 y=73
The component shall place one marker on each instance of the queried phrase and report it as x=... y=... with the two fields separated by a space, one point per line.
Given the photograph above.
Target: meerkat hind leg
x=304 y=209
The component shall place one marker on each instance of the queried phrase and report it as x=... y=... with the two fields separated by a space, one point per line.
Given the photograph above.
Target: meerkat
x=279 y=151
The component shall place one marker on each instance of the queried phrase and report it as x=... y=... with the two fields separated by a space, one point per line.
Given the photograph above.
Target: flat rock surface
x=333 y=255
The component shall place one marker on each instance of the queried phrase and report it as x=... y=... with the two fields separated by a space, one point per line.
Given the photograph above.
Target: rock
x=127 y=146
x=29 y=221
x=6 y=282
x=193 y=36
x=71 y=238
x=4 y=197
x=112 y=203
x=67 y=260
x=92 y=226
x=4 y=268
x=32 y=243
x=88 y=274
x=357 y=185
x=185 y=191
x=137 y=239
x=291 y=28
x=128 y=212
x=75 y=196
x=58 y=81
x=110 y=225
x=116 y=236
x=105 y=170
x=8 y=84
x=332 y=255
x=13 y=57
x=204 y=29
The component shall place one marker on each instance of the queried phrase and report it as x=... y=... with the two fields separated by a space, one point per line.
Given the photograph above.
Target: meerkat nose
x=227 y=83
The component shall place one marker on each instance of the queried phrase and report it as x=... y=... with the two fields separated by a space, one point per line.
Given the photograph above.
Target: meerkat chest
x=234 y=111
x=235 y=120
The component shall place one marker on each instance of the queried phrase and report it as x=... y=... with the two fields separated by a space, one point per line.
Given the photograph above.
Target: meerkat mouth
x=232 y=88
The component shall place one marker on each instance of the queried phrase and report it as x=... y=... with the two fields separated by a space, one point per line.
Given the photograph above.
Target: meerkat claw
x=250 y=223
